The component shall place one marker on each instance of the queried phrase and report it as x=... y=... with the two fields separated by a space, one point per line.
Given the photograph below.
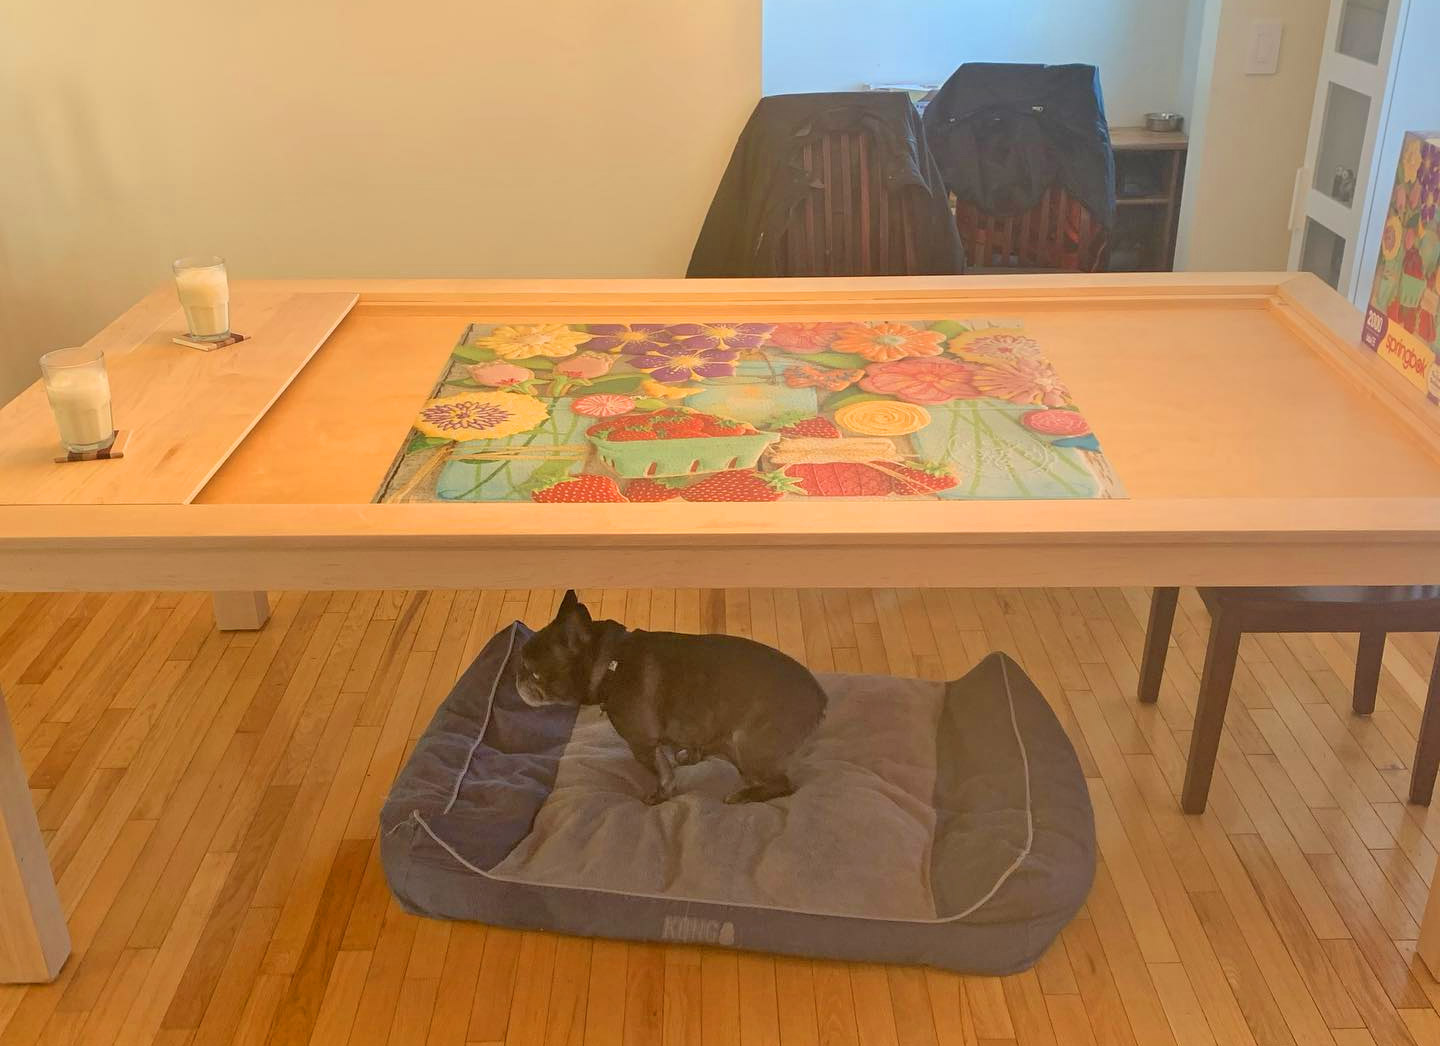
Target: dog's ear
x=574 y=618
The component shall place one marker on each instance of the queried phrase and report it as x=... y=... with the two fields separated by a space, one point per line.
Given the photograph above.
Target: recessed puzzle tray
x=649 y=412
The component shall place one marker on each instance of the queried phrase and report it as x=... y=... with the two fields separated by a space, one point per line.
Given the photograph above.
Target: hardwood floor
x=209 y=802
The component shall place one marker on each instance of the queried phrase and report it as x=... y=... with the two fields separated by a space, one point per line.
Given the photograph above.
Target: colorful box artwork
x=646 y=412
x=1400 y=324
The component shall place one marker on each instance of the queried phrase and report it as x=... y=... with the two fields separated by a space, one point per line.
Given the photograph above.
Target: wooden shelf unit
x=1152 y=166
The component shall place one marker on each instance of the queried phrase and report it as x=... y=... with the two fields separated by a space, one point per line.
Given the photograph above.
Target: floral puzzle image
x=646 y=412
x=1400 y=324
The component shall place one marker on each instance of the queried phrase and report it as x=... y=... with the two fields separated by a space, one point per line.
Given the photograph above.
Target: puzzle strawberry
x=669 y=423
x=588 y=489
x=840 y=479
x=815 y=428
x=741 y=485
x=922 y=479
x=650 y=490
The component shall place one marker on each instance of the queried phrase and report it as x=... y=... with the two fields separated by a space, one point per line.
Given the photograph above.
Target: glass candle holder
x=78 y=388
x=205 y=297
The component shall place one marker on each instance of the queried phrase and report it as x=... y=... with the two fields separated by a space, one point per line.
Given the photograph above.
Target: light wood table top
x=1257 y=441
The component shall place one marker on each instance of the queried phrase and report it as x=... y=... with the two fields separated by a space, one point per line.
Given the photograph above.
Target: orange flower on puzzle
x=883 y=342
x=1022 y=381
x=804 y=376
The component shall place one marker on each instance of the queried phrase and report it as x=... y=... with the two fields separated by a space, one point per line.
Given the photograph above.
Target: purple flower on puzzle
x=686 y=361
x=630 y=337
x=727 y=335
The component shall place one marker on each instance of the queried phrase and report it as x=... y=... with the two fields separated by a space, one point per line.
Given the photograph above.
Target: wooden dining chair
x=851 y=223
x=1372 y=612
x=1058 y=234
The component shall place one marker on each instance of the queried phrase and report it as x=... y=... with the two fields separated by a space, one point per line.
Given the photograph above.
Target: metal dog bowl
x=1161 y=122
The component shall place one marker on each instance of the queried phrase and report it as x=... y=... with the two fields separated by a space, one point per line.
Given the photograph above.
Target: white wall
x=1190 y=48
x=838 y=45
x=1248 y=136
x=335 y=137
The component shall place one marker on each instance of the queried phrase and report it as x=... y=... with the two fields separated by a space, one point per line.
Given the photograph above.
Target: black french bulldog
x=677 y=699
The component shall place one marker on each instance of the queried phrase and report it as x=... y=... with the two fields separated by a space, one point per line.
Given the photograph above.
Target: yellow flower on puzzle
x=553 y=340
x=660 y=391
x=882 y=418
x=480 y=415
x=1411 y=158
x=1390 y=242
x=994 y=343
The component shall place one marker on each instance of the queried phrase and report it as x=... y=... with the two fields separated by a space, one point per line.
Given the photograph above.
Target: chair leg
x=1220 y=657
x=1157 y=642
x=1427 y=750
x=1367 y=671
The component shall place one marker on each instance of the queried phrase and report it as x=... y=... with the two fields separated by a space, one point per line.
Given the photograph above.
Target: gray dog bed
x=939 y=823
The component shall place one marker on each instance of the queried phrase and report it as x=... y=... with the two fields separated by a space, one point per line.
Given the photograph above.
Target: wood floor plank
x=795 y=999
x=1109 y=1022
x=644 y=995
x=874 y=1011
x=1028 y=1012
x=226 y=1002
x=300 y=1008
x=490 y=1012
x=1366 y=993
x=534 y=979
x=682 y=1020
x=954 y=1023
x=605 y=993
x=1187 y=1018
x=1262 y=1015
x=1326 y=986
x=989 y=1011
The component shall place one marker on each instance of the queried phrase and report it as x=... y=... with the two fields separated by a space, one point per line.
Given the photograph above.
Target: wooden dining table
x=1256 y=441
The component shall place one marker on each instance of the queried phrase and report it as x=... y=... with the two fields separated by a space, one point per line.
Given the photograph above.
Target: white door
x=1332 y=189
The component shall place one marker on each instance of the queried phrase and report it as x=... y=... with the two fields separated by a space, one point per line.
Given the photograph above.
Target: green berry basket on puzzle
x=658 y=458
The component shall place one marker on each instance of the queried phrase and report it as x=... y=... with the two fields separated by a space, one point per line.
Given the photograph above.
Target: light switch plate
x=1263 y=56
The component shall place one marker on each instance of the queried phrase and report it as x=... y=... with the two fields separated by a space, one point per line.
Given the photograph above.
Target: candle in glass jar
x=79 y=392
x=204 y=295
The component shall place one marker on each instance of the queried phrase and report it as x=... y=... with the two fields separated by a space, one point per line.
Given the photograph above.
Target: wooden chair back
x=1059 y=234
x=850 y=224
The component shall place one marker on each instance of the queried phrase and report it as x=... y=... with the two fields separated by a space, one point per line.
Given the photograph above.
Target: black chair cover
x=1004 y=134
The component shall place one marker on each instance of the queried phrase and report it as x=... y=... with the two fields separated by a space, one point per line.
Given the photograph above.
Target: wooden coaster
x=209 y=346
x=115 y=450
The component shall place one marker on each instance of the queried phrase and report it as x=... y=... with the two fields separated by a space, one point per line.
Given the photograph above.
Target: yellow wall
x=1248 y=136
x=339 y=137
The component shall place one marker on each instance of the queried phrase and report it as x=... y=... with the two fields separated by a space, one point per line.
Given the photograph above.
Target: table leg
x=240 y=611
x=33 y=938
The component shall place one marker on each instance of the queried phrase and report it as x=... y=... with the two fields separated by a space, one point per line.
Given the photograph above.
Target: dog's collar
x=612 y=634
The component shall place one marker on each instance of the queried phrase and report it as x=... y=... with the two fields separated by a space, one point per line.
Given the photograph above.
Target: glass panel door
x=1362 y=29
x=1334 y=187
x=1323 y=252
x=1342 y=140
